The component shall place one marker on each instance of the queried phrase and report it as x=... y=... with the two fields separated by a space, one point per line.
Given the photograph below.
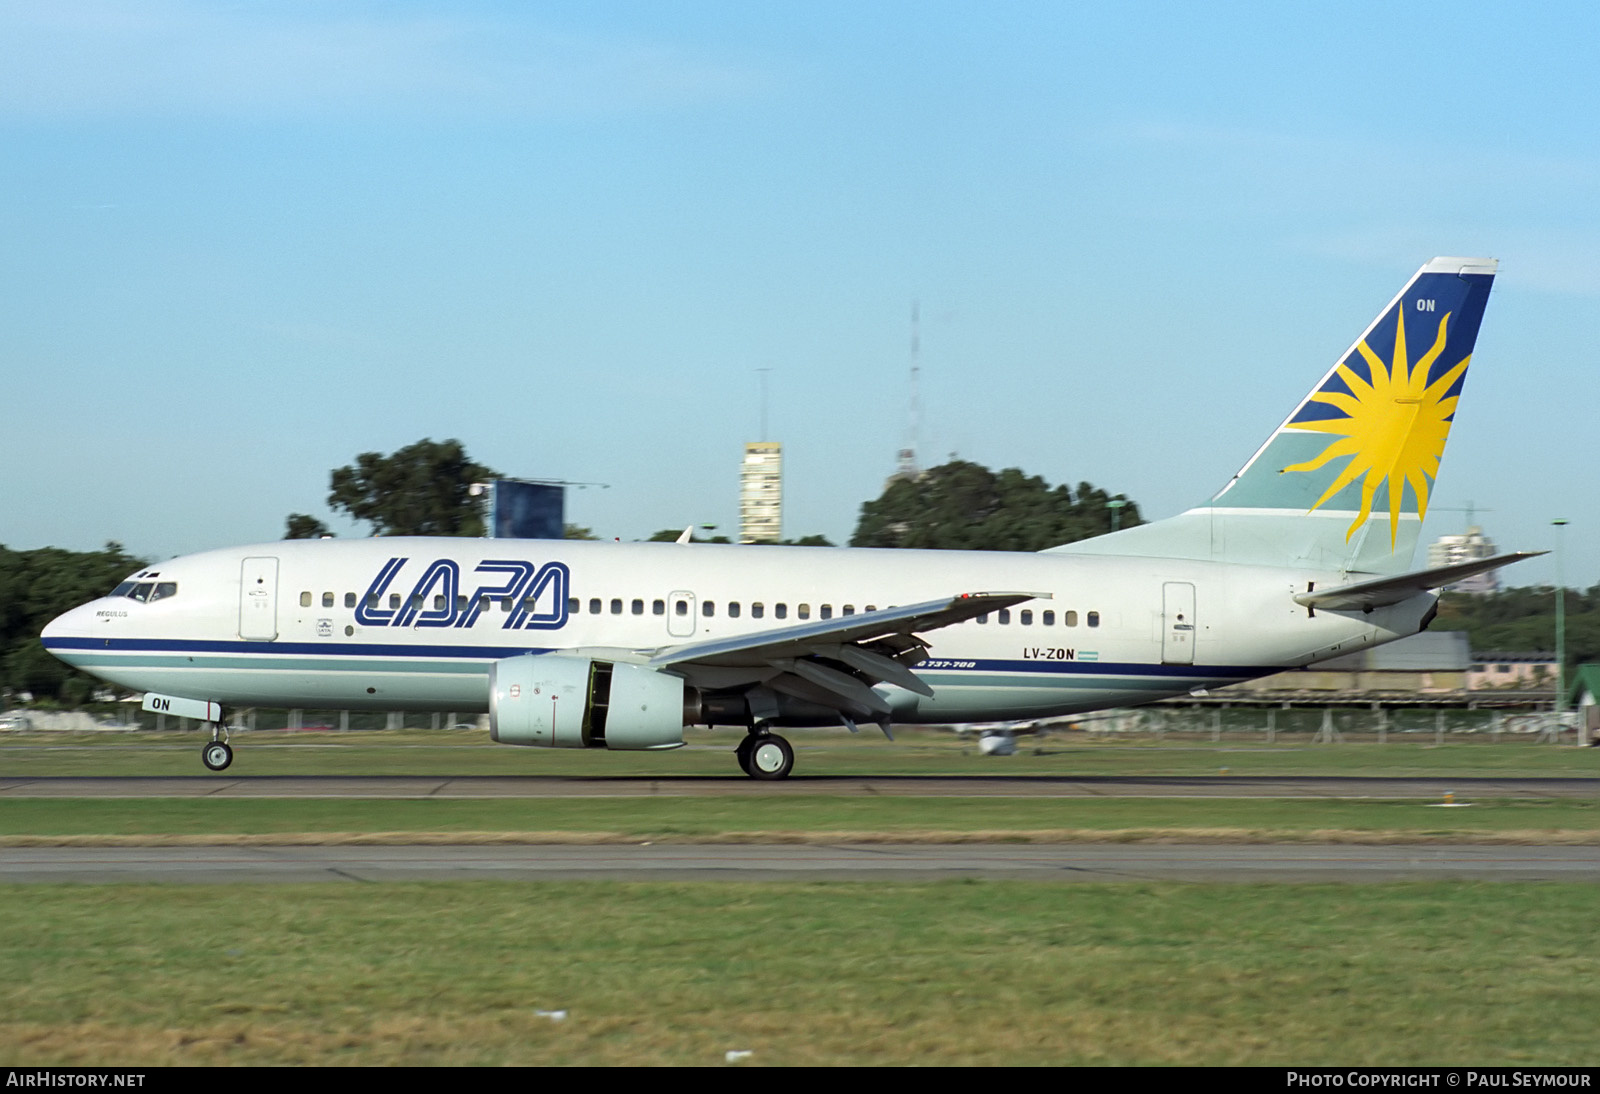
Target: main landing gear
x=764 y=755
x=217 y=754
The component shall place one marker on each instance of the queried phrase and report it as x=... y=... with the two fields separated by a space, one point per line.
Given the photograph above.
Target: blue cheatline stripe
x=321 y=649
x=342 y=657
x=279 y=664
x=1113 y=668
x=1163 y=684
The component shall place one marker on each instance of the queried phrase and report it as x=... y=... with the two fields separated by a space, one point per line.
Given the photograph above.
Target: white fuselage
x=415 y=623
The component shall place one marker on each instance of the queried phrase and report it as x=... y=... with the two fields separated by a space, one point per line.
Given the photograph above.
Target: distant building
x=1449 y=550
x=1499 y=669
x=526 y=509
x=761 y=493
x=1432 y=662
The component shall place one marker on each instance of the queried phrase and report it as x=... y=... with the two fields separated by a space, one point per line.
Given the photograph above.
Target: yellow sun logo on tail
x=1393 y=430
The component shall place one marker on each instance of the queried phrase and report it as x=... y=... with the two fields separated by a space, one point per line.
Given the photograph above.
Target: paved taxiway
x=848 y=862
x=960 y=786
x=878 y=862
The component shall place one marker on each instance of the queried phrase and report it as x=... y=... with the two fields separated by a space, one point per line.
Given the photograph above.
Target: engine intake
x=562 y=701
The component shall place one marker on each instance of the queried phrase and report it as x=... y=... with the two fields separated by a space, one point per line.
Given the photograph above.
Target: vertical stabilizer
x=1344 y=482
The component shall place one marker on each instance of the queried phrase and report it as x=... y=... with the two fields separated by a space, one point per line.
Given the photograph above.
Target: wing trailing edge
x=833 y=663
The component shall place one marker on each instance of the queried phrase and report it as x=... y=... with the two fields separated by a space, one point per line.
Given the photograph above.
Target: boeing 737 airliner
x=1303 y=555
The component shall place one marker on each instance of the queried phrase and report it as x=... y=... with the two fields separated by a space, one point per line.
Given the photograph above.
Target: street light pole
x=1561 y=625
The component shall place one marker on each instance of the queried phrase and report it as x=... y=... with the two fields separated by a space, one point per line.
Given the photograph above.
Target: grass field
x=836 y=973
x=951 y=973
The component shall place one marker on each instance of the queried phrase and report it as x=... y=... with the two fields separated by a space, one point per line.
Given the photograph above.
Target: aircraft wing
x=833 y=662
x=1382 y=591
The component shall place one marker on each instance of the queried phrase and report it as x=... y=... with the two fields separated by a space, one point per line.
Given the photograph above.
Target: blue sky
x=244 y=242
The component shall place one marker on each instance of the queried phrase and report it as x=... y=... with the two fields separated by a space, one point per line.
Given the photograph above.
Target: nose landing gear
x=217 y=754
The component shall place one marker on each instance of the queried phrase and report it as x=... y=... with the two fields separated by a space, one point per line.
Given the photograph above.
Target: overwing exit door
x=680 y=614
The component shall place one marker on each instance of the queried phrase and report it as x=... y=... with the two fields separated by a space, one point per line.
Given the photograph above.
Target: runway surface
x=502 y=786
x=845 y=862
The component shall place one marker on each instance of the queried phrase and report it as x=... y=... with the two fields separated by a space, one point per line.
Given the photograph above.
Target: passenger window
x=708 y=608
x=758 y=610
x=781 y=611
x=983 y=619
x=327 y=600
x=1049 y=619
x=658 y=607
x=733 y=609
x=1070 y=619
x=1005 y=615
x=872 y=607
x=594 y=605
x=394 y=601
x=505 y=603
x=305 y=597
x=574 y=605
x=680 y=607
x=415 y=603
x=1094 y=619
x=438 y=602
x=804 y=611
x=827 y=611
x=349 y=600
x=616 y=605
x=849 y=609
x=1026 y=619
x=638 y=606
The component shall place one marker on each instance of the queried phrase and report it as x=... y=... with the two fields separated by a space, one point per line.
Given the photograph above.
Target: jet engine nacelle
x=562 y=701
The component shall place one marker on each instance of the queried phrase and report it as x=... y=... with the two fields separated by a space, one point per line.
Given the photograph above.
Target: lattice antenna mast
x=907 y=465
x=763 y=372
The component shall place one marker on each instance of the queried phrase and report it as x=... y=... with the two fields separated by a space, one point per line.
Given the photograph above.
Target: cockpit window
x=146 y=591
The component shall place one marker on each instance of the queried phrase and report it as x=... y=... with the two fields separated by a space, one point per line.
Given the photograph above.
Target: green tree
x=966 y=506
x=420 y=490
x=35 y=587
x=577 y=531
x=304 y=526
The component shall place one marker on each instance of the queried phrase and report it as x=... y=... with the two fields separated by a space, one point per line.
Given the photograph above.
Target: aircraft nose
x=69 y=624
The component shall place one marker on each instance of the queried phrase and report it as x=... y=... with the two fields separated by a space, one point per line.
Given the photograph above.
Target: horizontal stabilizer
x=1383 y=591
